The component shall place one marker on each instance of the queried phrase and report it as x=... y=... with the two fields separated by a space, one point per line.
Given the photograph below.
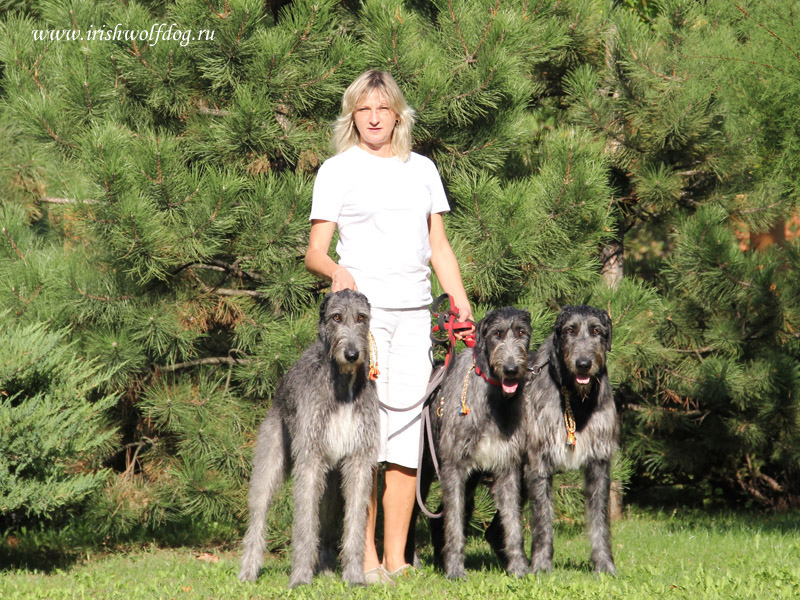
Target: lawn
x=683 y=554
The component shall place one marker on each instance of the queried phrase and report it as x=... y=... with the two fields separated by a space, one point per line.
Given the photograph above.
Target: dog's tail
x=270 y=461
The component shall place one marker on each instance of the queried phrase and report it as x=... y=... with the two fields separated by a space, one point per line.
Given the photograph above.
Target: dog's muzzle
x=510 y=380
x=583 y=368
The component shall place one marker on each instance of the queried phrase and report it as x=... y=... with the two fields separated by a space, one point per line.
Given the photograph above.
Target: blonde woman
x=387 y=203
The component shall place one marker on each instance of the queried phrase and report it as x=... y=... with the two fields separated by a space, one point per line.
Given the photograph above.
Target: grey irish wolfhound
x=323 y=419
x=571 y=423
x=478 y=428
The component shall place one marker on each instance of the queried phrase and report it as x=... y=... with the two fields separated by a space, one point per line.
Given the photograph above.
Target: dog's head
x=344 y=329
x=581 y=338
x=502 y=339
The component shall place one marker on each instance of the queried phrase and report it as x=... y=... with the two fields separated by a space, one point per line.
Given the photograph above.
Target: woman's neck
x=383 y=151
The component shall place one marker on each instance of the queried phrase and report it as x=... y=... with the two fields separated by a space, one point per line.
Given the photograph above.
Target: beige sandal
x=378 y=575
x=401 y=571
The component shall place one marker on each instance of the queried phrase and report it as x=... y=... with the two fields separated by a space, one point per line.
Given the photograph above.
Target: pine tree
x=670 y=106
x=156 y=197
x=737 y=313
x=172 y=185
x=54 y=433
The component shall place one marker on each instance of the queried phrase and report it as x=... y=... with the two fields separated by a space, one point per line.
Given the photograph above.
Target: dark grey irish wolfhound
x=323 y=418
x=572 y=423
x=478 y=427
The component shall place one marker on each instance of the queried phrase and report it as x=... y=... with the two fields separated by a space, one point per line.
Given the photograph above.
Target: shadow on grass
x=482 y=559
x=15 y=556
x=47 y=550
x=722 y=522
x=574 y=564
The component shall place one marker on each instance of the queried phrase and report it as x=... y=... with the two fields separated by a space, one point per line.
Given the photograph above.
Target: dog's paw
x=455 y=573
x=248 y=574
x=454 y=565
x=353 y=577
x=247 y=577
x=519 y=568
x=299 y=579
x=541 y=565
x=454 y=569
x=605 y=568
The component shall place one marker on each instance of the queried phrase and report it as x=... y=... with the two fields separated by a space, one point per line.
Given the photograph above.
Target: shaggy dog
x=571 y=424
x=323 y=420
x=478 y=428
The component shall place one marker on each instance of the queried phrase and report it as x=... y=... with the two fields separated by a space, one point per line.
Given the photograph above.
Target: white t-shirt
x=381 y=208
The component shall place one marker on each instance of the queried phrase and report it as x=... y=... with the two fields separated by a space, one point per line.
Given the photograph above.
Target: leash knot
x=569 y=420
x=373 y=358
x=465 y=410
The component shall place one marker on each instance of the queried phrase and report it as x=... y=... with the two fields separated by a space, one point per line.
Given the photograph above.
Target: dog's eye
x=521 y=333
x=595 y=331
x=336 y=317
x=570 y=329
x=497 y=333
x=362 y=318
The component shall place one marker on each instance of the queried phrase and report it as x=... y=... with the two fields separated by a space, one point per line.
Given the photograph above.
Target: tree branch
x=228 y=291
x=53 y=200
x=13 y=245
x=211 y=360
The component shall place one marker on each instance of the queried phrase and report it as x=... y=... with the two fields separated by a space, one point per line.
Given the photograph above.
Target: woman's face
x=375 y=119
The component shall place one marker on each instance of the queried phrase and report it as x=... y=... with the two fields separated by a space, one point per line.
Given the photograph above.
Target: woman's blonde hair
x=345 y=134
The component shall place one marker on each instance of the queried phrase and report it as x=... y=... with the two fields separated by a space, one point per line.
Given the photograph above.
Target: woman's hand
x=464 y=311
x=444 y=263
x=318 y=261
x=342 y=280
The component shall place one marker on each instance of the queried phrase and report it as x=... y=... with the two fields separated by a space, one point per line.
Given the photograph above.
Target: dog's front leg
x=507 y=498
x=598 y=482
x=453 y=487
x=356 y=488
x=309 y=483
x=269 y=471
x=540 y=488
x=331 y=508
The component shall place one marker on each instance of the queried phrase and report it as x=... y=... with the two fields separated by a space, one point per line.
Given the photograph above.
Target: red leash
x=486 y=376
x=442 y=334
x=447 y=323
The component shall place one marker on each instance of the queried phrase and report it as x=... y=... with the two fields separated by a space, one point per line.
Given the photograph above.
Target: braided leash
x=446 y=321
x=569 y=419
x=373 y=358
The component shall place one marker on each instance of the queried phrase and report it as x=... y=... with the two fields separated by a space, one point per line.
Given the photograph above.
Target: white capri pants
x=402 y=338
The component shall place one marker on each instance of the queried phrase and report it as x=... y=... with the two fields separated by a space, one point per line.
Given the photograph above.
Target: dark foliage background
x=154 y=217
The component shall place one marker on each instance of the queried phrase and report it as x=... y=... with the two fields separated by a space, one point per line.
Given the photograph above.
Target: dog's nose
x=511 y=370
x=351 y=355
x=583 y=364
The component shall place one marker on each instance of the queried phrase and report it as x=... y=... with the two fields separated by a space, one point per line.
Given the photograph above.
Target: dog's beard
x=349 y=368
x=583 y=385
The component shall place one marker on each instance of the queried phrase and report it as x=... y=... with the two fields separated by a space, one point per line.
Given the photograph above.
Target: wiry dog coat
x=489 y=438
x=323 y=419
x=569 y=372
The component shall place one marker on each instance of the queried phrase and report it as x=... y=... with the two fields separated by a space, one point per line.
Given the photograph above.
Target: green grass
x=659 y=555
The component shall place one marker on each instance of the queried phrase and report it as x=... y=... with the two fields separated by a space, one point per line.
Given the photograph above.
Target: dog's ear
x=606 y=322
x=561 y=319
x=480 y=330
x=323 y=308
x=554 y=357
x=555 y=343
